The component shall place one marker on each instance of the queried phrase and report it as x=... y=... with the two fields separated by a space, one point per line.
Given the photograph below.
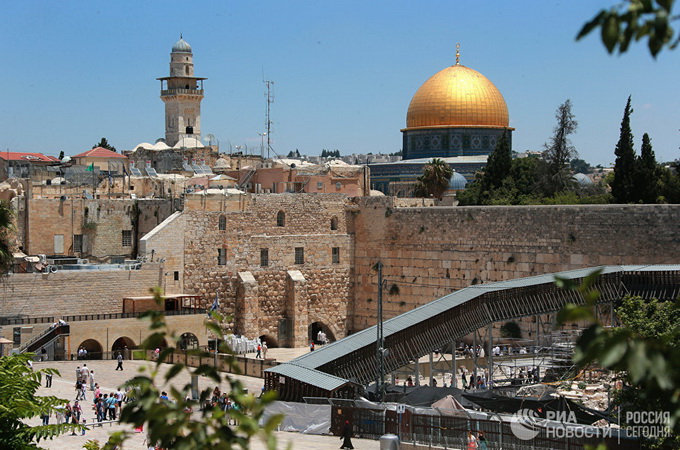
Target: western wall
x=430 y=252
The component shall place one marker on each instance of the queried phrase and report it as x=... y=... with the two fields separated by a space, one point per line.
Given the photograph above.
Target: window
x=223 y=223
x=127 y=238
x=221 y=256
x=77 y=243
x=299 y=255
x=319 y=184
x=281 y=219
x=334 y=223
x=335 y=255
x=338 y=186
x=58 y=244
x=176 y=275
x=264 y=257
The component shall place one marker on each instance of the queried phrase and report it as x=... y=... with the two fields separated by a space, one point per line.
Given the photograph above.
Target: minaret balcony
x=181 y=91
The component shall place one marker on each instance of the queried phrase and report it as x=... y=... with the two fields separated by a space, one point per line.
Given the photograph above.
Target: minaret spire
x=457 y=53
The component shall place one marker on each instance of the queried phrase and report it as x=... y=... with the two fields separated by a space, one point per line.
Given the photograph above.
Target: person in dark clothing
x=347 y=436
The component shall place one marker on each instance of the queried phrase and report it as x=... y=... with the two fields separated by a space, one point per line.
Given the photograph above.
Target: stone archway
x=122 y=345
x=271 y=341
x=93 y=347
x=188 y=341
x=315 y=328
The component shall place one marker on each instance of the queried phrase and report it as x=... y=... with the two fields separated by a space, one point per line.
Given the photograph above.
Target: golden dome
x=457 y=96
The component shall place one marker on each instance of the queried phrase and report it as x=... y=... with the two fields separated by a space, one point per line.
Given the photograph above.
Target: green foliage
x=669 y=185
x=168 y=424
x=623 y=185
x=647 y=173
x=498 y=165
x=524 y=186
x=328 y=153
x=435 y=179
x=511 y=330
x=6 y=257
x=559 y=150
x=18 y=402
x=645 y=350
x=634 y=20
x=579 y=166
x=105 y=144
x=294 y=154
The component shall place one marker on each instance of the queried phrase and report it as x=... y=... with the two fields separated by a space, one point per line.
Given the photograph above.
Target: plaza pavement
x=63 y=386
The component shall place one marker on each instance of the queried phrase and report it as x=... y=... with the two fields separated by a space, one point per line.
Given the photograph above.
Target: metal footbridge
x=338 y=369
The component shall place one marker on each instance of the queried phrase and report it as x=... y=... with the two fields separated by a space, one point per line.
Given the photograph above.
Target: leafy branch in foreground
x=635 y=20
x=18 y=402
x=173 y=424
x=645 y=350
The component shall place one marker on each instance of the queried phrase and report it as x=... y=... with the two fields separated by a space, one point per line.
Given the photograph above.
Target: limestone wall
x=73 y=292
x=101 y=222
x=251 y=225
x=429 y=252
x=166 y=242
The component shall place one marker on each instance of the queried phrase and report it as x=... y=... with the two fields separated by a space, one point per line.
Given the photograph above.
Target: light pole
x=262 y=135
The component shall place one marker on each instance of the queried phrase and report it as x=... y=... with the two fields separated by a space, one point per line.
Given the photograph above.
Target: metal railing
x=82 y=317
x=176 y=91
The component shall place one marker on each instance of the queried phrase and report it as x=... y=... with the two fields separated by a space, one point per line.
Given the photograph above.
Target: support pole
x=431 y=372
x=380 y=361
x=454 y=369
x=417 y=371
x=489 y=381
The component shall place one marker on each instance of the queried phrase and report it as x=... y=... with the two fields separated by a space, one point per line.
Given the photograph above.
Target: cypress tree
x=498 y=165
x=623 y=186
x=647 y=173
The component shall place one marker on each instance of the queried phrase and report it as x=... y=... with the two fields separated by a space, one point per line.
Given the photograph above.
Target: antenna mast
x=270 y=99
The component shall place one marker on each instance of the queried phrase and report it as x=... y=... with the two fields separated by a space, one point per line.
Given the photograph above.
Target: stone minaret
x=182 y=93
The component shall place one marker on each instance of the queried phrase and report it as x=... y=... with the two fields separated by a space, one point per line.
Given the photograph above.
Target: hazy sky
x=344 y=72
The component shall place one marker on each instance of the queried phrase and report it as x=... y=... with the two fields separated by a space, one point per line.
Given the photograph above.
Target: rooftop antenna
x=457 y=53
x=270 y=99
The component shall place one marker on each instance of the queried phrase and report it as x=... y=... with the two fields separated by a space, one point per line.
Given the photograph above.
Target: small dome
x=582 y=179
x=457 y=182
x=181 y=46
x=221 y=163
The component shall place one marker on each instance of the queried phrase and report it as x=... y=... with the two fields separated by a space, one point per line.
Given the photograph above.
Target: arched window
x=223 y=223
x=334 y=223
x=281 y=219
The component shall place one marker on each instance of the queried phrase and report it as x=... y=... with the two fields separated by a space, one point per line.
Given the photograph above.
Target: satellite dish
x=210 y=138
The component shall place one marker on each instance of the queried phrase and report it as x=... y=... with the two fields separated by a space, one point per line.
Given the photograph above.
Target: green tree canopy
x=623 y=185
x=105 y=144
x=435 y=179
x=647 y=173
x=18 y=402
x=498 y=165
x=559 y=150
x=579 y=166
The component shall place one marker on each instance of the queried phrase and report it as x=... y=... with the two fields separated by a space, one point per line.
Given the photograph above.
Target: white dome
x=221 y=163
x=160 y=145
x=188 y=142
x=144 y=145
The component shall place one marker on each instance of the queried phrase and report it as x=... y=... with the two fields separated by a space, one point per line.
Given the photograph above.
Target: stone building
x=280 y=263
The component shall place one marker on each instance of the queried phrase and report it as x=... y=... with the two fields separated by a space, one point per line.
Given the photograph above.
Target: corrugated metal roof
x=310 y=376
x=328 y=353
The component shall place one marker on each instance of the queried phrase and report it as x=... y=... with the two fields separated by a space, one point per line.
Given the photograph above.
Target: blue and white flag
x=215 y=304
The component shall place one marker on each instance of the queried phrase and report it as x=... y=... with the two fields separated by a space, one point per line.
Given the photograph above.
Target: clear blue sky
x=344 y=72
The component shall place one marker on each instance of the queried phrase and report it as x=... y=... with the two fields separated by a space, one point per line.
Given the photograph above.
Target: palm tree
x=435 y=179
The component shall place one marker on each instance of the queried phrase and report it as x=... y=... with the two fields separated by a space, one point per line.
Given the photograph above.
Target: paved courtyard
x=108 y=379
